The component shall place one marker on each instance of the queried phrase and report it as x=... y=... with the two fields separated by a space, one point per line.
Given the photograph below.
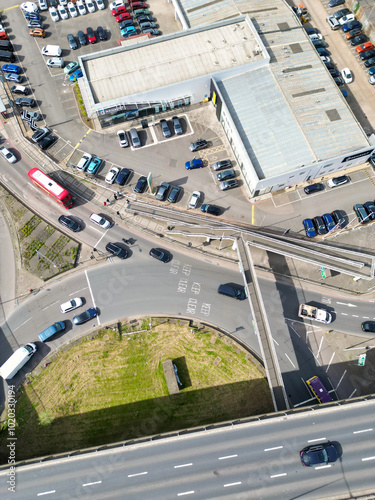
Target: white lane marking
x=317 y=439
x=320 y=345
x=19 y=326
x=330 y=361
x=232 y=484
x=304 y=402
x=366 y=317
x=275 y=448
x=352 y=394
x=78 y=291
x=91 y=484
x=278 y=475
x=46 y=493
x=343 y=375
x=185 y=493
x=275 y=341
x=228 y=456
x=368 y=458
x=290 y=360
x=345 y=314
x=137 y=474
x=182 y=465
x=322 y=467
x=355 y=316
x=92 y=295
x=346 y=304
x=363 y=430
x=99 y=240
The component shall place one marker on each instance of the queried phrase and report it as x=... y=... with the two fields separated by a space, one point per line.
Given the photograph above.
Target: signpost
x=362 y=360
x=322 y=270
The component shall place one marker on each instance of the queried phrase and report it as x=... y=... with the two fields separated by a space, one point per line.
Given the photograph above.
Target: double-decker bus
x=54 y=190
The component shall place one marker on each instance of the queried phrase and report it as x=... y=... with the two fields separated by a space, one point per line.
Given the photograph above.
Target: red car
x=138 y=5
x=364 y=47
x=123 y=17
x=119 y=10
x=91 y=35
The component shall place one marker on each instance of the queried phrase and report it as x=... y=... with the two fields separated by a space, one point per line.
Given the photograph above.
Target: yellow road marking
x=252 y=214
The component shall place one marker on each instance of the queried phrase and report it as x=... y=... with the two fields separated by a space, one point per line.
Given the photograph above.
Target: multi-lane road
x=245 y=461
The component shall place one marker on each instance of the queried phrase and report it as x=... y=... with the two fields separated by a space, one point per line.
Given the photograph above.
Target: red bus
x=54 y=190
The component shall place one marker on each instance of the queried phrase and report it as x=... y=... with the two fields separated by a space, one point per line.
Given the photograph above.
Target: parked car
x=63 y=13
x=11 y=68
x=309 y=228
x=194 y=199
x=101 y=34
x=162 y=191
x=319 y=225
x=339 y=217
x=164 y=128
x=81 y=38
x=152 y=31
x=37 y=32
x=370 y=62
x=73 y=66
x=174 y=194
x=123 y=176
x=347 y=75
x=341 y=13
x=67 y=221
x=325 y=59
x=147 y=26
x=195 y=163
x=43 y=5
x=72 y=42
x=197 y=145
x=29 y=7
x=351 y=25
x=364 y=47
x=123 y=17
x=322 y=52
x=141 y=185
x=177 y=125
x=54 y=14
x=90 y=6
x=315 y=36
x=368 y=54
x=20 y=89
x=55 y=62
x=319 y=454
x=91 y=35
x=328 y=221
x=361 y=213
x=8 y=155
x=347 y=18
x=71 y=305
x=84 y=162
x=314 y=188
x=111 y=175
x=232 y=183
x=356 y=40
x=72 y=9
x=312 y=31
x=141 y=12
x=335 y=3
x=85 y=316
x=116 y=249
x=115 y=4
x=81 y=7
x=210 y=209
x=339 y=81
x=227 y=174
x=122 y=138
x=47 y=142
x=32 y=15
x=353 y=33
x=94 y=166
x=13 y=77
x=75 y=75
x=221 y=165
x=333 y=23
x=128 y=31
x=40 y=133
x=338 y=181
x=370 y=208
x=319 y=43
x=25 y=101
x=100 y=4
x=334 y=72
x=121 y=9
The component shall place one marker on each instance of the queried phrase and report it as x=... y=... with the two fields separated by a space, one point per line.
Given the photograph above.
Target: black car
x=329 y=65
x=367 y=54
x=68 y=222
x=53 y=3
x=358 y=39
x=334 y=72
x=47 y=142
x=126 y=23
x=162 y=191
x=123 y=176
x=313 y=188
x=368 y=326
x=227 y=174
x=311 y=31
x=40 y=133
x=81 y=38
x=319 y=43
x=25 y=101
x=158 y=254
x=174 y=194
x=335 y=3
x=361 y=213
x=115 y=249
x=72 y=42
x=319 y=225
x=339 y=81
x=145 y=19
x=370 y=62
x=210 y=209
x=197 y=145
x=318 y=454
x=85 y=316
x=322 y=52
x=370 y=208
x=341 y=13
x=101 y=33
x=141 y=185
x=339 y=217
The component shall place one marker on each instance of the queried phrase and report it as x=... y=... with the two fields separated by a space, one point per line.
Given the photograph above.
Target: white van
x=17 y=360
x=52 y=51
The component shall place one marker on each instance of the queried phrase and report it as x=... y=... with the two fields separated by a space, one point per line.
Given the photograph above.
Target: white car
x=72 y=9
x=111 y=175
x=64 y=2
x=62 y=11
x=43 y=5
x=101 y=221
x=100 y=4
x=54 y=14
x=8 y=155
x=372 y=80
x=122 y=138
x=116 y=3
x=90 y=6
x=194 y=199
x=346 y=75
x=55 y=62
x=81 y=7
x=71 y=305
x=29 y=7
x=347 y=19
x=316 y=36
x=325 y=59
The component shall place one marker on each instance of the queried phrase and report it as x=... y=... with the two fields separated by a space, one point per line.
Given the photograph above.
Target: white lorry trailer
x=17 y=360
x=311 y=312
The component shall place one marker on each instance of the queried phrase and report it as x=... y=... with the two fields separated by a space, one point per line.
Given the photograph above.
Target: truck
x=17 y=360
x=311 y=312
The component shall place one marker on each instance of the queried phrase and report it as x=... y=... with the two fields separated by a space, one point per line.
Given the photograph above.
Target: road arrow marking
x=344 y=304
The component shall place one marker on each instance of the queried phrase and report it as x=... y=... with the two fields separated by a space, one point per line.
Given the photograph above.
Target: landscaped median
x=112 y=388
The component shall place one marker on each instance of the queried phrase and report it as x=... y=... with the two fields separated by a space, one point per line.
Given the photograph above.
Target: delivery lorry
x=311 y=312
x=17 y=360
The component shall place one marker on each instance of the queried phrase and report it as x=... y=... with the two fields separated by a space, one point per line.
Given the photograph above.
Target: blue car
x=76 y=74
x=195 y=163
x=12 y=77
x=371 y=71
x=85 y=316
x=328 y=221
x=11 y=68
x=94 y=166
x=32 y=15
x=309 y=228
x=128 y=31
x=351 y=25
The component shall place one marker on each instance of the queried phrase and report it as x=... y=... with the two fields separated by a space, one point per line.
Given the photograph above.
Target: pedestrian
x=31 y=290
x=105 y=203
x=108 y=201
x=115 y=196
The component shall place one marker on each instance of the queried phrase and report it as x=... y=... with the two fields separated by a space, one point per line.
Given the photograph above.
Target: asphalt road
x=256 y=460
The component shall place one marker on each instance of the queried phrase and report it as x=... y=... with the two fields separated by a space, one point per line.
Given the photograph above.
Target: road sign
x=362 y=360
x=322 y=270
